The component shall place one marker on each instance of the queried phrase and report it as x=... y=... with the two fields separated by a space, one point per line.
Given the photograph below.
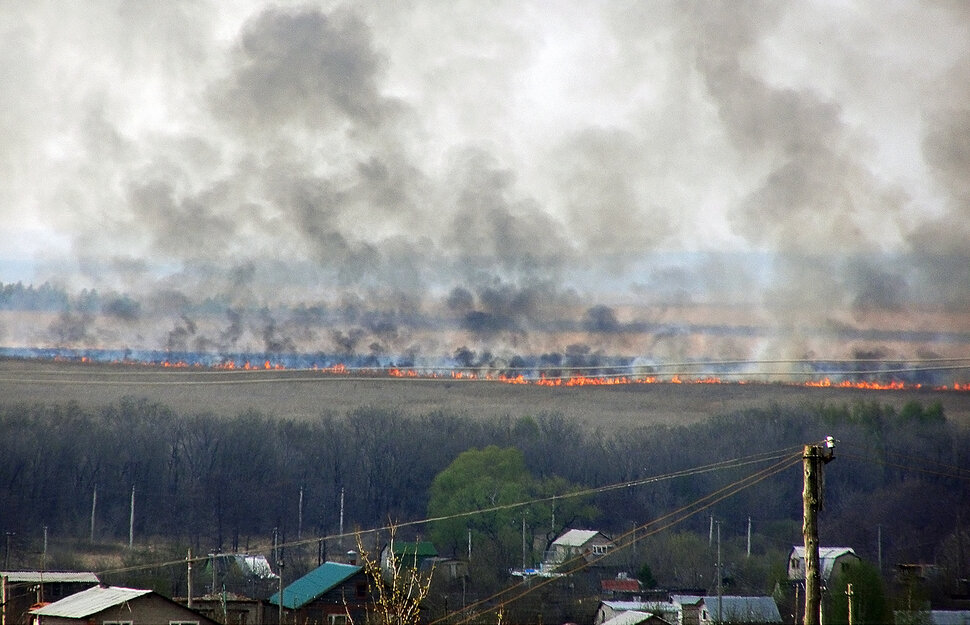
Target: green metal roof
x=423 y=549
x=315 y=583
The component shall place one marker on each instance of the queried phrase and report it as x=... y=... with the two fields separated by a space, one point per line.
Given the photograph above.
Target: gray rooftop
x=90 y=601
x=15 y=577
x=575 y=538
x=744 y=609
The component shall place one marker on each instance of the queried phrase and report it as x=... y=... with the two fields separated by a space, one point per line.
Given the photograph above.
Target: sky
x=663 y=180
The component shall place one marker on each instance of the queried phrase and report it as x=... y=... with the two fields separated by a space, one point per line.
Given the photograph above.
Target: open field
x=306 y=394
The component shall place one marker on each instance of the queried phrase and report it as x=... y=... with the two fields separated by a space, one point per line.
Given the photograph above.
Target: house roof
x=640 y=606
x=422 y=549
x=826 y=557
x=743 y=609
x=631 y=617
x=575 y=538
x=90 y=601
x=949 y=617
x=315 y=583
x=45 y=577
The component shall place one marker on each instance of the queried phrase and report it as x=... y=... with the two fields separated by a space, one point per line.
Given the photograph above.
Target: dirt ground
x=308 y=394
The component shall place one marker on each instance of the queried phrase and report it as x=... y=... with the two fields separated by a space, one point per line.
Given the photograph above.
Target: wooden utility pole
x=94 y=507
x=813 y=458
x=131 y=520
x=188 y=580
x=850 y=595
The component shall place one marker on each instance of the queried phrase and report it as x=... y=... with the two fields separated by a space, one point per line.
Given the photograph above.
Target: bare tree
x=398 y=587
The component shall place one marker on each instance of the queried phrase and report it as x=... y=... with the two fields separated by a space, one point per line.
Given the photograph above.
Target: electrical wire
x=657 y=525
x=716 y=466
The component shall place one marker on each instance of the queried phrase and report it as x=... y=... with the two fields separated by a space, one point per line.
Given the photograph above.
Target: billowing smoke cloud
x=488 y=183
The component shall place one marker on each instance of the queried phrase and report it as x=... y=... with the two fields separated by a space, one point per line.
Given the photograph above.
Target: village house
x=736 y=610
x=578 y=547
x=115 y=605
x=331 y=594
x=20 y=591
x=634 y=617
x=832 y=561
x=690 y=610
x=230 y=609
x=621 y=587
x=609 y=611
x=416 y=555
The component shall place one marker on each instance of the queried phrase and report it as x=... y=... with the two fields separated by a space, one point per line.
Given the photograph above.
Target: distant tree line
x=221 y=483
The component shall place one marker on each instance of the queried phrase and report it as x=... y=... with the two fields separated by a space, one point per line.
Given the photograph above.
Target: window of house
x=361 y=590
x=337 y=619
x=600 y=550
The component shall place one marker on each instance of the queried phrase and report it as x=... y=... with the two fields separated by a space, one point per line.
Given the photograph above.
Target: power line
x=657 y=525
x=716 y=466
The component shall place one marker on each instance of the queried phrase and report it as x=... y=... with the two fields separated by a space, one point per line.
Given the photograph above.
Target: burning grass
x=598 y=401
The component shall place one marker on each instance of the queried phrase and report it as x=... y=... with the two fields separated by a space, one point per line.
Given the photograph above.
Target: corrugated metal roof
x=575 y=538
x=90 y=601
x=630 y=617
x=314 y=584
x=743 y=609
x=423 y=549
x=15 y=577
x=640 y=606
x=949 y=617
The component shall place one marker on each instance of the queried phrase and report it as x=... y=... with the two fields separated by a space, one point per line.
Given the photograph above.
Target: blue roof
x=315 y=583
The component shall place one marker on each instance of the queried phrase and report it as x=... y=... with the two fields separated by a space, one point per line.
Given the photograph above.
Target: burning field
x=304 y=393
x=618 y=203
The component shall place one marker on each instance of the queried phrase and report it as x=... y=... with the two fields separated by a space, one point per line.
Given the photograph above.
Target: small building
x=573 y=545
x=730 y=609
x=621 y=587
x=229 y=608
x=331 y=594
x=933 y=617
x=116 y=605
x=608 y=611
x=831 y=561
x=634 y=617
x=20 y=591
x=417 y=555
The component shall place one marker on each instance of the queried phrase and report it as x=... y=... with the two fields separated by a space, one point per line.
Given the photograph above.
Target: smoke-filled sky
x=662 y=179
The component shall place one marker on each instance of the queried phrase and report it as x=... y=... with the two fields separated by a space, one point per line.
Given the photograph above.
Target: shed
x=737 y=610
x=22 y=590
x=117 y=605
x=328 y=595
x=408 y=555
x=634 y=617
x=610 y=610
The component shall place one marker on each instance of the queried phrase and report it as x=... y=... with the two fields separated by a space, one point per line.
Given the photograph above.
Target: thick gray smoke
x=479 y=181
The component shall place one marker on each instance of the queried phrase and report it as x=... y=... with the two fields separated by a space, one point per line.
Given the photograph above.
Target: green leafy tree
x=869 y=603
x=478 y=479
x=488 y=479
